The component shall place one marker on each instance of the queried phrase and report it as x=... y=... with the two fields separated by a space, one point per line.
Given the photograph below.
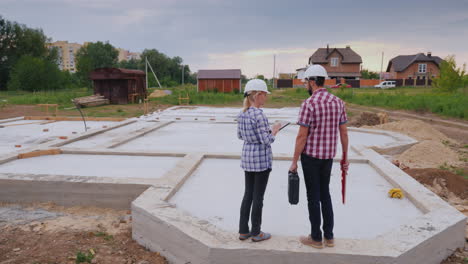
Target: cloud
x=260 y=61
x=133 y=17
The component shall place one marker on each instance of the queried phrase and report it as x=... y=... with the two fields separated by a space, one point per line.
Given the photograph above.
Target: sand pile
x=414 y=128
x=160 y=93
x=428 y=154
x=366 y=119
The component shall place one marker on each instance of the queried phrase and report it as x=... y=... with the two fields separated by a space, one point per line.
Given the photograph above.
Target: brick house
x=418 y=66
x=339 y=62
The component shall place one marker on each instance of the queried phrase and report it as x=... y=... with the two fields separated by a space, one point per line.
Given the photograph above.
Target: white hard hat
x=256 y=85
x=315 y=71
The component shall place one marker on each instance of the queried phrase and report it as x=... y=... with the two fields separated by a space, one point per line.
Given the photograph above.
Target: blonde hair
x=249 y=99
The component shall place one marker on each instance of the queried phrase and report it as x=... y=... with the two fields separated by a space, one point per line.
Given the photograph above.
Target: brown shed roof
x=115 y=73
x=219 y=74
x=322 y=54
x=400 y=63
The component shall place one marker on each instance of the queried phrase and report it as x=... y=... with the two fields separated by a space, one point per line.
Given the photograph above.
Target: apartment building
x=125 y=55
x=67 y=54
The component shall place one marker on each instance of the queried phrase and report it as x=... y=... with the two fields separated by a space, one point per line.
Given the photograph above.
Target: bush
x=451 y=78
x=36 y=74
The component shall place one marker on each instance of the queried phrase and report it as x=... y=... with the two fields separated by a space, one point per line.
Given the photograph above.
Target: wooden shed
x=224 y=81
x=120 y=86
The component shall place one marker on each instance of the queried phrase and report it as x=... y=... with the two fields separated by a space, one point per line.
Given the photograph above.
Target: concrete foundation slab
x=27 y=133
x=367 y=213
x=222 y=137
x=113 y=166
x=109 y=136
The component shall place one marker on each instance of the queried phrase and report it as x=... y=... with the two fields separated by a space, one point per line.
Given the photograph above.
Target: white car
x=386 y=85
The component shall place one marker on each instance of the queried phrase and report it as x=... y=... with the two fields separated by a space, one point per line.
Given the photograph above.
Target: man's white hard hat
x=314 y=71
x=256 y=85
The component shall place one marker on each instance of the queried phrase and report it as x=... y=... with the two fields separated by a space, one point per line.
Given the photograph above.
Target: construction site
x=166 y=188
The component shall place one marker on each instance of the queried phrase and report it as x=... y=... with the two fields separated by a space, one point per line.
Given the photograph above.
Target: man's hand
x=344 y=165
x=293 y=167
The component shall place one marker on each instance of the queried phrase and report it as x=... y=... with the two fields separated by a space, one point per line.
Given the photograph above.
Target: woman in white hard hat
x=256 y=158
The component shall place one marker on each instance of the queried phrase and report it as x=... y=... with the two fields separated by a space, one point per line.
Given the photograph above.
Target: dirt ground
x=46 y=233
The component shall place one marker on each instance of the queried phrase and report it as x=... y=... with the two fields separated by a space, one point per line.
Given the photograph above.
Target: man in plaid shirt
x=321 y=117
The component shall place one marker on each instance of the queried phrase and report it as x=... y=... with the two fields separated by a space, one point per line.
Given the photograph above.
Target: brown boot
x=329 y=242
x=308 y=241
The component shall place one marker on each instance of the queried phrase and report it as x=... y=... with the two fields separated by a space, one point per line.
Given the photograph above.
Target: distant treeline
x=26 y=63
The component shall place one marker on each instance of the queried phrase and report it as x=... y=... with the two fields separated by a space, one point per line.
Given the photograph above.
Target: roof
x=400 y=63
x=120 y=70
x=219 y=74
x=322 y=54
x=115 y=73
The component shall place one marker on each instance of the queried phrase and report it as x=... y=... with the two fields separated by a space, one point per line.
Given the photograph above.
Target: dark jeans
x=255 y=185
x=317 y=180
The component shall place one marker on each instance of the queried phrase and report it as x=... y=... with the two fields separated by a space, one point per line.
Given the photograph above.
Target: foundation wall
x=178 y=247
x=116 y=196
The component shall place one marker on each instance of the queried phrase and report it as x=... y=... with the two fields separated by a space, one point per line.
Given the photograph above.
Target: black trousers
x=255 y=185
x=317 y=180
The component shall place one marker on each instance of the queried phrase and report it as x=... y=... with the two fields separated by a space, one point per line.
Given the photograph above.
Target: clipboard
x=287 y=124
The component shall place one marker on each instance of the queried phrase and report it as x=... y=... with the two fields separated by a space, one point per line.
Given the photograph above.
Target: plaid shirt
x=322 y=113
x=253 y=128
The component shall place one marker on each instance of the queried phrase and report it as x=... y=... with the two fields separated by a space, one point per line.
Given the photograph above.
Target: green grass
x=196 y=98
x=422 y=100
x=61 y=97
x=84 y=257
x=104 y=235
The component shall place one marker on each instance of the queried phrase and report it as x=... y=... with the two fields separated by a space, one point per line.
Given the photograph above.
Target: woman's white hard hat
x=315 y=71
x=256 y=85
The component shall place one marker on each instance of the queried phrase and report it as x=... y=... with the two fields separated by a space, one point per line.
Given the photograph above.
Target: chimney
x=429 y=54
x=348 y=47
x=328 y=49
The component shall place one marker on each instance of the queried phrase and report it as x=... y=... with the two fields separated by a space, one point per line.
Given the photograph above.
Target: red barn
x=224 y=81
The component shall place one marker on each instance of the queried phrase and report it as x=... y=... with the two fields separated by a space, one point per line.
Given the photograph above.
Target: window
x=422 y=68
x=334 y=62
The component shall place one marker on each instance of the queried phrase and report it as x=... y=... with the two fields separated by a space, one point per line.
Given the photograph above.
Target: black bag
x=293 y=187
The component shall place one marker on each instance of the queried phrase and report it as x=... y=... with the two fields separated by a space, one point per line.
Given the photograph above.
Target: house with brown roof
x=418 y=66
x=339 y=62
x=220 y=80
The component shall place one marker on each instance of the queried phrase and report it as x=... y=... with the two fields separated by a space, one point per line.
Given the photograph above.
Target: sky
x=247 y=34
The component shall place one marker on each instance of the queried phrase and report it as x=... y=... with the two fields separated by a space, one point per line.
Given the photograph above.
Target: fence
x=362 y=83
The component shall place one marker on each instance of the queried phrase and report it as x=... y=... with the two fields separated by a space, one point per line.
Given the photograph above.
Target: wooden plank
x=73 y=118
x=39 y=153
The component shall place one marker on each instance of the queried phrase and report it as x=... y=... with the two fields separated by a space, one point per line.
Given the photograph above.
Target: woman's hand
x=275 y=128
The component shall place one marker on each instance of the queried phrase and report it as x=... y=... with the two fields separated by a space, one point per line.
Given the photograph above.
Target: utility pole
x=183 y=66
x=146 y=71
x=274 y=70
x=381 y=67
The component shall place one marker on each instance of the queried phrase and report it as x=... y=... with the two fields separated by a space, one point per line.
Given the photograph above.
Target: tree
x=35 y=74
x=17 y=40
x=450 y=78
x=168 y=70
x=261 y=77
x=92 y=56
x=366 y=74
x=243 y=78
x=130 y=64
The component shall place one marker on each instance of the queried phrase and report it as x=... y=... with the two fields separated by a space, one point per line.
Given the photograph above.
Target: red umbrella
x=343 y=177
